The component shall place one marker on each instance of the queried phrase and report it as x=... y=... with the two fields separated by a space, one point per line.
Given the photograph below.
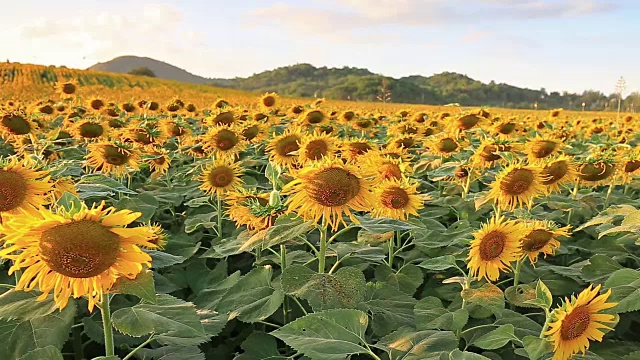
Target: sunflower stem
x=516 y=273
x=107 y=326
x=139 y=347
x=283 y=265
x=606 y=199
x=78 y=348
x=467 y=185
x=546 y=323
x=323 y=245
x=219 y=209
x=391 y=250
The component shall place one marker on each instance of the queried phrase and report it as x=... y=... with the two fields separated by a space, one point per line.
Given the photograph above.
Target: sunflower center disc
x=575 y=324
x=142 y=137
x=536 y=240
x=631 y=166
x=68 y=89
x=97 y=104
x=395 y=198
x=317 y=149
x=315 y=117
x=269 y=101
x=80 y=249
x=16 y=124
x=555 y=172
x=225 y=118
x=333 y=187
x=114 y=157
x=13 y=190
x=492 y=245
x=250 y=132
x=390 y=171
x=91 y=130
x=467 y=122
x=542 y=149
x=517 y=181
x=596 y=172
x=447 y=145
x=288 y=145
x=221 y=176
x=226 y=140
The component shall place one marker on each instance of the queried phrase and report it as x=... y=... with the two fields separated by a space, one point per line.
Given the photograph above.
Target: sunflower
x=404 y=141
x=313 y=117
x=174 y=128
x=220 y=104
x=346 y=116
x=397 y=199
x=541 y=238
x=62 y=186
x=629 y=165
x=577 y=321
x=542 y=147
x=465 y=122
x=362 y=124
x=221 y=117
x=95 y=104
x=66 y=89
x=351 y=149
x=223 y=141
x=488 y=153
x=75 y=254
x=296 y=110
x=112 y=158
x=158 y=161
x=494 y=247
x=504 y=127
x=23 y=188
x=90 y=130
x=515 y=186
x=557 y=171
x=282 y=148
x=144 y=134
x=385 y=167
x=328 y=189
x=402 y=129
x=315 y=147
x=269 y=101
x=221 y=177
x=252 y=210
x=15 y=125
x=443 y=145
x=252 y=131
x=596 y=171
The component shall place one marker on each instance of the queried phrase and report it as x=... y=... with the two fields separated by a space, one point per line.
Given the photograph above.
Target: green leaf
x=47 y=352
x=544 y=295
x=599 y=268
x=535 y=347
x=465 y=355
x=99 y=185
x=21 y=337
x=344 y=289
x=22 y=306
x=172 y=353
x=252 y=298
x=144 y=203
x=69 y=202
x=483 y=301
x=523 y=295
x=430 y=314
x=409 y=344
x=260 y=346
x=174 y=321
x=625 y=290
x=210 y=297
x=286 y=229
x=407 y=279
x=523 y=325
x=327 y=335
x=193 y=222
x=390 y=308
x=439 y=263
x=497 y=338
x=383 y=225
x=142 y=286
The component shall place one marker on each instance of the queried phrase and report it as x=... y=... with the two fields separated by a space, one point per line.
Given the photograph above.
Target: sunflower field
x=255 y=228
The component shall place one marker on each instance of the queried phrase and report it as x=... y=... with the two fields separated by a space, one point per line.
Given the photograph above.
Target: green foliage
x=142 y=71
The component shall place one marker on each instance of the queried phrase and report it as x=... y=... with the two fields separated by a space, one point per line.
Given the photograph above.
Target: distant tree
x=143 y=71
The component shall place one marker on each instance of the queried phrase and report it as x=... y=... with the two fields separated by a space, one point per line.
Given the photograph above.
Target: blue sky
x=560 y=45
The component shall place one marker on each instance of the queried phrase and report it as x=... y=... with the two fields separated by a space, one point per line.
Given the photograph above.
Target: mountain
x=356 y=84
x=124 y=64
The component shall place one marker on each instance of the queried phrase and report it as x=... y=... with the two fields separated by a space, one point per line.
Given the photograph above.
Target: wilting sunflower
x=542 y=147
x=596 y=171
x=282 y=148
x=23 y=188
x=75 y=254
x=221 y=177
x=515 y=186
x=397 y=199
x=315 y=147
x=579 y=320
x=385 y=167
x=15 y=125
x=269 y=101
x=91 y=130
x=629 y=165
x=113 y=158
x=66 y=89
x=557 y=171
x=542 y=238
x=253 y=210
x=223 y=141
x=494 y=247
x=328 y=189
x=352 y=149
x=443 y=145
